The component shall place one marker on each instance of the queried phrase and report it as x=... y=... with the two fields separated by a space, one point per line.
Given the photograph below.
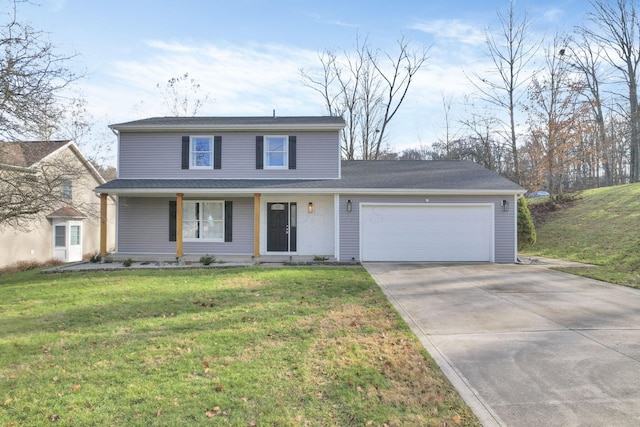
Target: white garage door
x=445 y=232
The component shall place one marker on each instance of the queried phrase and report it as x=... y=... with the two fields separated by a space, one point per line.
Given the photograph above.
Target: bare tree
x=183 y=95
x=33 y=77
x=397 y=74
x=618 y=31
x=420 y=153
x=366 y=88
x=482 y=129
x=586 y=58
x=75 y=122
x=510 y=54
x=556 y=116
x=449 y=134
x=29 y=190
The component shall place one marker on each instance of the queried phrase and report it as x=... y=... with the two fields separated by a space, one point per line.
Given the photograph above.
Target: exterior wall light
x=349 y=205
x=505 y=206
x=310 y=207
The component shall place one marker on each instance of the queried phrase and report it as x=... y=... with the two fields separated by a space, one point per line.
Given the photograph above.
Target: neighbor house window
x=60 y=236
x=74 y=235
x=203 y=221
x=276 y=152
x=67 y=189
x=201 y=152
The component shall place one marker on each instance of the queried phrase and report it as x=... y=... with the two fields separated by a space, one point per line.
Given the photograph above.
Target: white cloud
x=55 y=5
x=553 y=15
x=452 y=30
x=254 y=79
x=249 y=79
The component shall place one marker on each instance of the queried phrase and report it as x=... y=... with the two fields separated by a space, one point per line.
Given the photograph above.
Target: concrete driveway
x=525 y=345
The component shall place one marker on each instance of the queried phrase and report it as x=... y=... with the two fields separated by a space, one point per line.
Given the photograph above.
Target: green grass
x=241 y=347
x=602 y=227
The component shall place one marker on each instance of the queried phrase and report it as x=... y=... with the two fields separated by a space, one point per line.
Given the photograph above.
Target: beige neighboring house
x=66 y=232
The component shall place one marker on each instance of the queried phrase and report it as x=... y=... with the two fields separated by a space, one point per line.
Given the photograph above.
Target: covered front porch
x=254 y=227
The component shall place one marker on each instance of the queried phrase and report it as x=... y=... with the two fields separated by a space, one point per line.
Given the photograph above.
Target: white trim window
x=276 y=152
x=201 y=152
x=203 y=221
x=67 y=189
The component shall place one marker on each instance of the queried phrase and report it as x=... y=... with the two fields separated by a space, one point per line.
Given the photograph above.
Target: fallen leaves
x=210 y=413
x=75 y=388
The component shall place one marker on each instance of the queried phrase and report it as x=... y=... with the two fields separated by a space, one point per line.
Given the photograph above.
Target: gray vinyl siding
x=159 y=155
x=504 y=222
x=143 y=227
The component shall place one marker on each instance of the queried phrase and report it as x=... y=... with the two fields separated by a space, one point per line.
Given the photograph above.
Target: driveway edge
x=487 y=417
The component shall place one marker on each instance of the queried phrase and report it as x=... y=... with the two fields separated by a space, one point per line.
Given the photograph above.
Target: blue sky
x=247 y=54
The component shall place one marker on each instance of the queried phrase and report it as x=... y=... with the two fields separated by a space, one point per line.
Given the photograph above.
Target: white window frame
x=67 y=189
x=266 y=151
x=78 y=228
x=192 y=151
x=200 y=215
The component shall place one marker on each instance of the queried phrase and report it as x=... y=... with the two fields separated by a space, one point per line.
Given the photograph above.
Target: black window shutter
x=217 y=152
x=292 y=152
x=228 y=221
x=259 y=152
x=185 y=152
x=172 y=221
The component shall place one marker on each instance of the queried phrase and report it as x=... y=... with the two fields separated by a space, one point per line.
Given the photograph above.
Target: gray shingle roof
x=233 y=122
x=27 y=153
x=390 y=175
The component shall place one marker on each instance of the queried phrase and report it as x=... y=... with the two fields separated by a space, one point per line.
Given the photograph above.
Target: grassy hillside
x=602 y=227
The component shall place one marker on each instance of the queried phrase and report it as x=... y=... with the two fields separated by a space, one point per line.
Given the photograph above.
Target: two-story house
x=268 y=187
x=69 y=227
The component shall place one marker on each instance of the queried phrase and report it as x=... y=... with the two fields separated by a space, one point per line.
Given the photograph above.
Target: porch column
x=256 y=225
x=103 y=224
x=179 y=251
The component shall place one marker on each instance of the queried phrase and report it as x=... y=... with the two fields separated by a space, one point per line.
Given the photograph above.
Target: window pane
x=61 y=232
x=189 y=229
x=75 y=234
x=202 y=159
x=67 y=189
x=275 y=144
x=212 y=229
x=202 y=144
x=201 y=152
x=203 y=220
x=276 y=152
x=275 y=159
x=212 y=211
x=189 y=211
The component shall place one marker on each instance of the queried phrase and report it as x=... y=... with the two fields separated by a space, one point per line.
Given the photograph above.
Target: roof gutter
x=158 y=192
x=227 y=127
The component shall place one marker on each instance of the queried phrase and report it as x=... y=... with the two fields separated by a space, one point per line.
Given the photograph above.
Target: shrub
x=30 y=265
x=526 y=229
x=127 y=262
x=207 y=259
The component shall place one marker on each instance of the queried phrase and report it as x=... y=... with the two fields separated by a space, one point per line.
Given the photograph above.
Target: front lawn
x=242 y=347
x=600 y=227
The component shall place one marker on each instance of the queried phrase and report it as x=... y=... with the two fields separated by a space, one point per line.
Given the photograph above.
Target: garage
x=433 y=232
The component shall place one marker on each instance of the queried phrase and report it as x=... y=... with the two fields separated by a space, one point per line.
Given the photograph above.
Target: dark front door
x=281 y=227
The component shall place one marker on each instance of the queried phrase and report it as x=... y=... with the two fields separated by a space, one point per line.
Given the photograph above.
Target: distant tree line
x=563 y=113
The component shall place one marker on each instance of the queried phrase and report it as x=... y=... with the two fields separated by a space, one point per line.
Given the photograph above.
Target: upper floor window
x=67 y=189
x=276 y=152
x=201 y=152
